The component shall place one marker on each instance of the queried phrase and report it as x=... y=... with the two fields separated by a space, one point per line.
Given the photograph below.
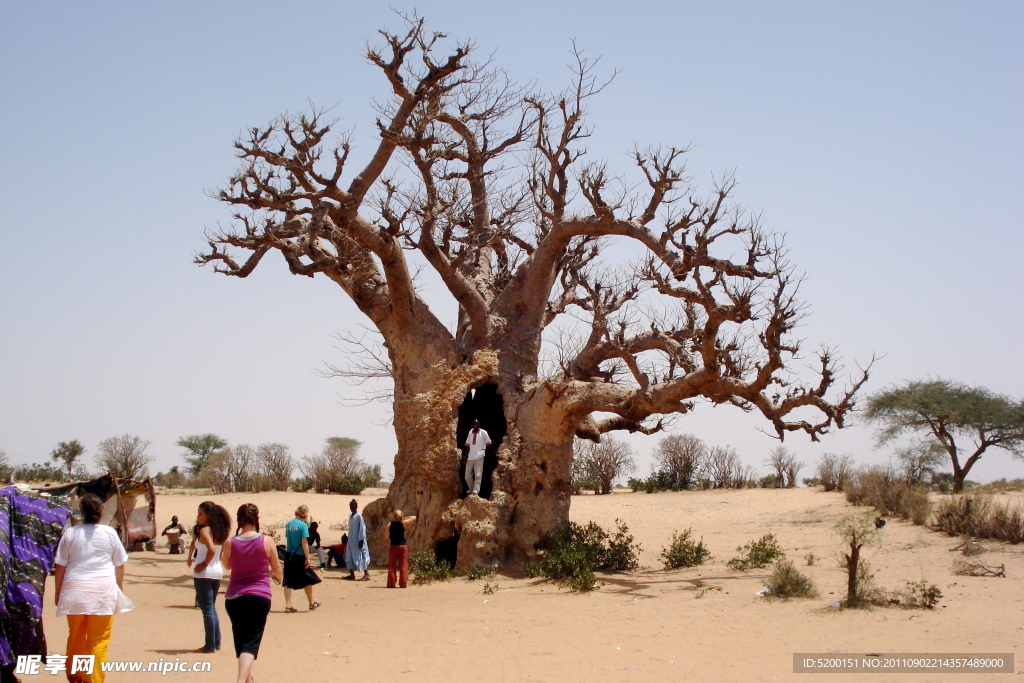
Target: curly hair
x=248 y=514
x=218 y=520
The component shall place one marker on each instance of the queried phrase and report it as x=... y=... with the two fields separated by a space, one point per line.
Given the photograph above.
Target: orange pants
x=398 y=564
x=89 y=634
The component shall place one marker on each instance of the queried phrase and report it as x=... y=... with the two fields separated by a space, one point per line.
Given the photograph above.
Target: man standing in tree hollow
x=477 y=440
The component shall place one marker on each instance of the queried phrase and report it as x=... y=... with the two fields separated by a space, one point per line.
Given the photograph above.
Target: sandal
x=204 y=651
x=365 y=578
x=289 y=610
x=314 y=606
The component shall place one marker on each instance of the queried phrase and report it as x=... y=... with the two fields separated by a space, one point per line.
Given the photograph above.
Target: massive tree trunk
x=529 y=489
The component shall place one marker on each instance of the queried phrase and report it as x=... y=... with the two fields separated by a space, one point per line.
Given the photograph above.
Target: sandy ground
x=702 y=624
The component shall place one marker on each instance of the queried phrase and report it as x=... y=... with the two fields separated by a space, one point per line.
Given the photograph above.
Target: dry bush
x=889 y=493
x=787 y=582
x=978 y=516
x=965 y=568
x=915 y=595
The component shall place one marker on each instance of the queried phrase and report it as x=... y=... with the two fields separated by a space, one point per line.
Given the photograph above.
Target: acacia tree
x=486 y=183
x=200 y=448
x=948 y=410
x=67 y=452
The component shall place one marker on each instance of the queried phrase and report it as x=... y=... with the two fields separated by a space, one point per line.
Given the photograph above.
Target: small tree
x=723 y=466
x=918 y=460
x=215 y=473
x=275 y=465
x=242 y=467
x=337 y=468
x=67 y=452
x=678 y=459
x=783 y=461
x=6 y=471
x=199 y=448
x=124 y=456
x=834 y=471
x=948 y=410
x=856 y=532
x=605 y=462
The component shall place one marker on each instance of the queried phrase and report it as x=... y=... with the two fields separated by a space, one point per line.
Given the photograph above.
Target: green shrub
x=572 y=553
x=757 y=554
x=684 y=552
x=301 y=485
x=810 y=559
x=978 y=516
x=786 y=582
x=475 y=572
x=38 y=472
x=426 y=568
x=622 y=554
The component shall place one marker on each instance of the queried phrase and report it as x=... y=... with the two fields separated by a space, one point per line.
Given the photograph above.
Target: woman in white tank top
x=215 y=524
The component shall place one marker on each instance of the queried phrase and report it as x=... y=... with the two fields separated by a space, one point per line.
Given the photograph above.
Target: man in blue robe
x=357 y=552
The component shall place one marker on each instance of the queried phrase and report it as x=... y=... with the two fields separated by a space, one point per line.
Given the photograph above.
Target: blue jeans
x=206 y=594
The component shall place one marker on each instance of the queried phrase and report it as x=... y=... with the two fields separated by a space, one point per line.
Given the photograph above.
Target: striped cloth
x=30 y=528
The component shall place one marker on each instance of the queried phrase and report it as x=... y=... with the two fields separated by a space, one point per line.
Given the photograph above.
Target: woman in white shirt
x=214 y=525
x=88 y=577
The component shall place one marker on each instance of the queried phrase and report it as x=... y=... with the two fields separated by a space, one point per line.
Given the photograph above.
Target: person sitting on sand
x=314 y=542
x=174 y=532
x=336 y=552
x=357 y=551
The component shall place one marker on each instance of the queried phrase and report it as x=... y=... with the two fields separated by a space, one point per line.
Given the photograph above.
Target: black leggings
x=248 y=614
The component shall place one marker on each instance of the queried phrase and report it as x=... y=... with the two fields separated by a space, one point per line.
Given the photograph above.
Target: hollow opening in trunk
x=485 y=404
x=447 y=550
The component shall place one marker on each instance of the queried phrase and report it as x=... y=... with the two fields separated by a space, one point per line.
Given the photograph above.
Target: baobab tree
x=487 y=184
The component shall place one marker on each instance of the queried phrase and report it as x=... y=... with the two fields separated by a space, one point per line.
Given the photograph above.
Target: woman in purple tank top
x=249 y=556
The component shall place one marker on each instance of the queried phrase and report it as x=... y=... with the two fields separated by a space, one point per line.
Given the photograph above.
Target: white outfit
x=477 y=442
x=214 y=570
x=90 y=552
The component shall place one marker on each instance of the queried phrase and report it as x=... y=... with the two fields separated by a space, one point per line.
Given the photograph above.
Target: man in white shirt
x=478 y=440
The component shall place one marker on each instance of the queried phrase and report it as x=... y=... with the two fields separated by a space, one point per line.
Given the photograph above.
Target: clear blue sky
x=886 y=139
